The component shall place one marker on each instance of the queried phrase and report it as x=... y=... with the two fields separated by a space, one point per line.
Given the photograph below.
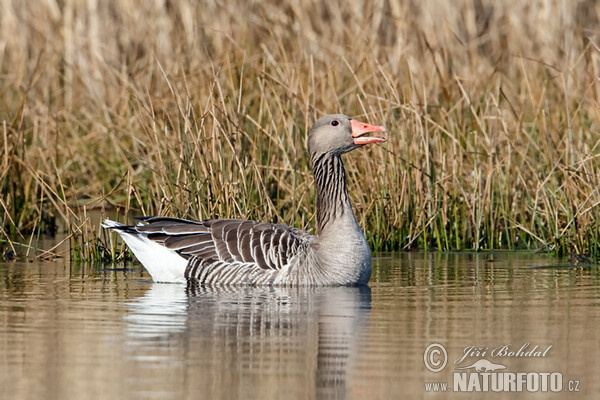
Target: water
x=71 y=332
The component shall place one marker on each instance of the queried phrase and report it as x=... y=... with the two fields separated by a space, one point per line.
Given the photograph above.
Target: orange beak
x=359 y=129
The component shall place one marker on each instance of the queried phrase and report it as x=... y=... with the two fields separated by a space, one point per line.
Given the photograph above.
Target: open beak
x=360 y=129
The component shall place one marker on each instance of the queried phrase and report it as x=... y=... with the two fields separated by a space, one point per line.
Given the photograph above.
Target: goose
x=242 y=252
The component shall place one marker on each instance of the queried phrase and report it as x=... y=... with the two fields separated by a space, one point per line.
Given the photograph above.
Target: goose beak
x=359 y=129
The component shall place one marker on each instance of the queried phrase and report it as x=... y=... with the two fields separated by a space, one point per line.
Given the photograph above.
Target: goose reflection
x=239 y=339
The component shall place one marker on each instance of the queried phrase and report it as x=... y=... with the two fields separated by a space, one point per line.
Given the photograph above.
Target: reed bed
x=201 y=109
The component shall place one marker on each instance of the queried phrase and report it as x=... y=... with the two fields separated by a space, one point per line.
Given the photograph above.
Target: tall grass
x=200 y=109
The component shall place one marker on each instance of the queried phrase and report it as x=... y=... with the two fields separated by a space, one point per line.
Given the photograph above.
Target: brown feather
x=179 y=242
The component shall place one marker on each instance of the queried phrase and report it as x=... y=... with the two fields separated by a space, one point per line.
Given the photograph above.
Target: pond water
x=76 y=332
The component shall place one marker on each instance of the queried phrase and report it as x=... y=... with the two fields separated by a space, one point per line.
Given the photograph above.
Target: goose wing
x=268 y=246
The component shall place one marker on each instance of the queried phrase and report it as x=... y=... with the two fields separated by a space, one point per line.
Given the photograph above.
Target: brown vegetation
x=200 y=109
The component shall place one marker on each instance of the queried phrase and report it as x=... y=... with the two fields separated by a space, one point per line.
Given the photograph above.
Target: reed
x=201 y=109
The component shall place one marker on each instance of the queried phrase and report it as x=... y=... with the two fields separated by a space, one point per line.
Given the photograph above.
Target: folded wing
x=267 y=246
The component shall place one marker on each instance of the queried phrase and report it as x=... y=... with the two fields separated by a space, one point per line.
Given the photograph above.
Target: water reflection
x=68 y=331
x=315 y=332
x=161 y=311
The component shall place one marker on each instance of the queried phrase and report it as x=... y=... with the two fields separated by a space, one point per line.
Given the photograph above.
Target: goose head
x=339 y=134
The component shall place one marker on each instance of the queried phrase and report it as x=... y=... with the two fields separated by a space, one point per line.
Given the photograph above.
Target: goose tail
x=164 y=265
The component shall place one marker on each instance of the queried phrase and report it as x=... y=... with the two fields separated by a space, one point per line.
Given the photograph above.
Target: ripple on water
x=79 y=333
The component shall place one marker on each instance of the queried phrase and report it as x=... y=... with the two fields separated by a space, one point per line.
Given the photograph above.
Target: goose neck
x=333 y=202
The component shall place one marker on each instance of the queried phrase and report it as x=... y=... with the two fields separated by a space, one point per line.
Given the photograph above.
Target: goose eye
x=335 y=122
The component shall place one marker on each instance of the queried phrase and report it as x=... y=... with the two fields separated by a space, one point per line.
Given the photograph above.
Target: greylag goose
x=232 y=252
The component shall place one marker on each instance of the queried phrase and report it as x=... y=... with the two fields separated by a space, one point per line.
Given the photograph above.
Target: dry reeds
x=200 y=109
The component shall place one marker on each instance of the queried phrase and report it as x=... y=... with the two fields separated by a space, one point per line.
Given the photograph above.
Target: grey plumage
x=232 y=251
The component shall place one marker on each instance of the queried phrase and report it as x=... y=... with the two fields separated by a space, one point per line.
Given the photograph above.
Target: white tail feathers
x=164 y=265
x=108 y=223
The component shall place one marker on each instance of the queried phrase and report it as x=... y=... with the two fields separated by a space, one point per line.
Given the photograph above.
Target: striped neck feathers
x=333 y=201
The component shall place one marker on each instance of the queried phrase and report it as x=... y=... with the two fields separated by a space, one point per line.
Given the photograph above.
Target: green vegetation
x=201 y=110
